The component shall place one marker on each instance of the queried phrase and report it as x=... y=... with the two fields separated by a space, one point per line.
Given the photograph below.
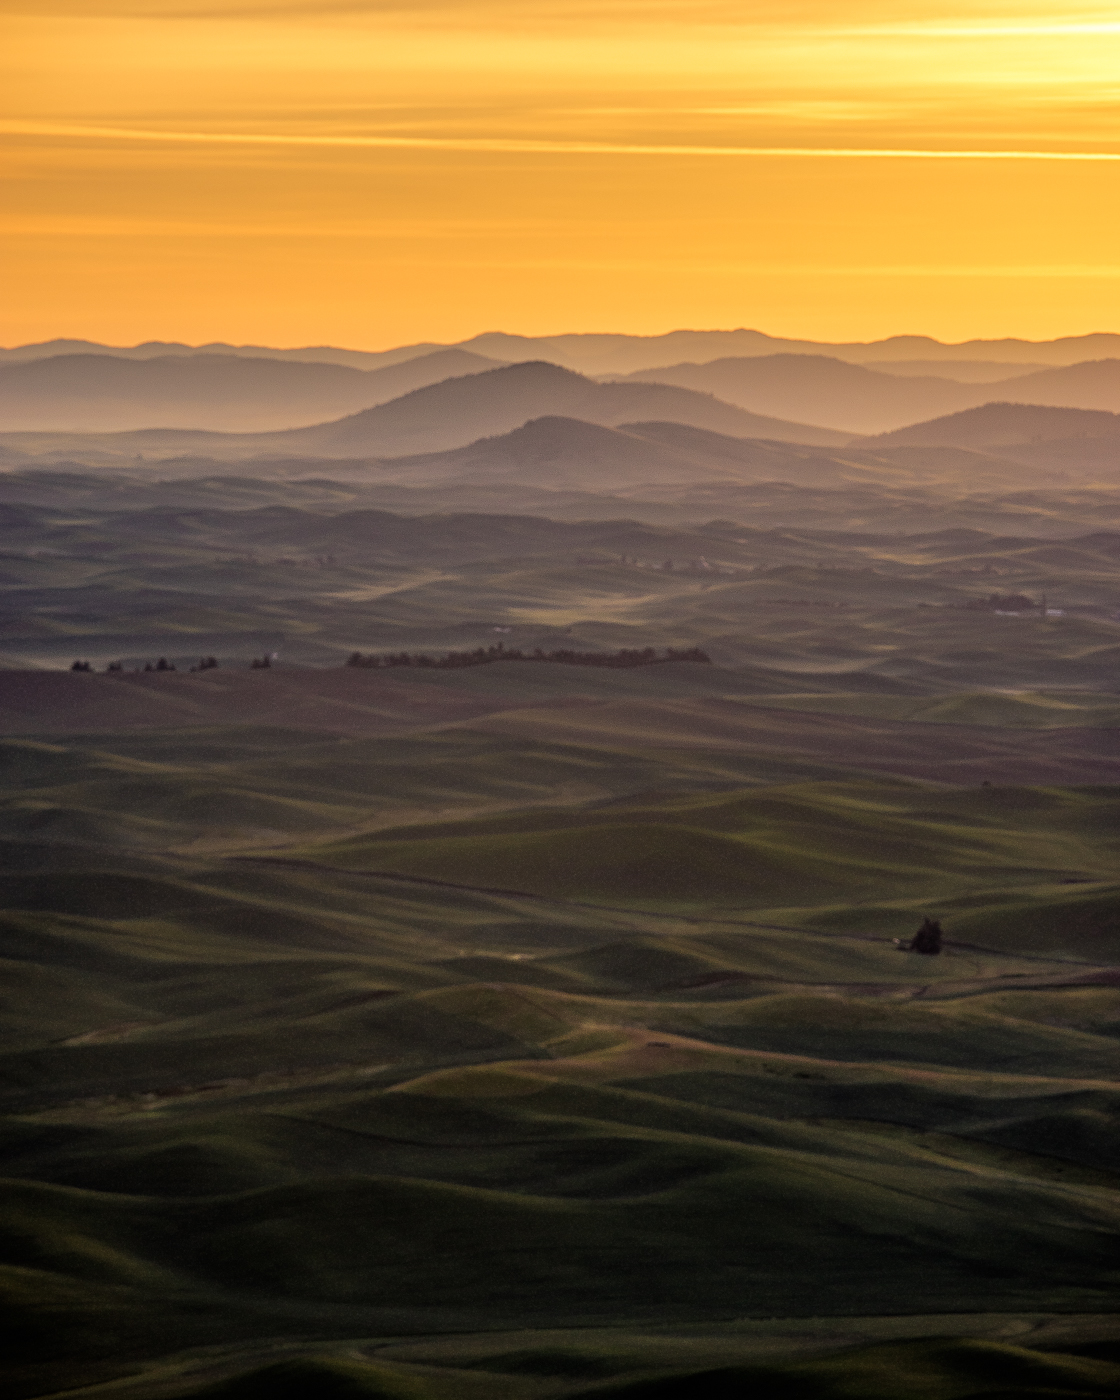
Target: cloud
x=515 y=146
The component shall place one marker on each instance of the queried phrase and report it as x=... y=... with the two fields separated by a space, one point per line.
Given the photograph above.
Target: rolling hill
x=1093 y=384
x=570 y=454
x=1006 y=425
x=548 y=1052
x=537 y=1031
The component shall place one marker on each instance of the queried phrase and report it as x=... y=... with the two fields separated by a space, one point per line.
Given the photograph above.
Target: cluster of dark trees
x=260 y=663
x=484 y=656
x=205 y=663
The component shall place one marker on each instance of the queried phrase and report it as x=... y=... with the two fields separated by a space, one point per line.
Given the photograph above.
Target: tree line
x=206 y=663
x=564 y=656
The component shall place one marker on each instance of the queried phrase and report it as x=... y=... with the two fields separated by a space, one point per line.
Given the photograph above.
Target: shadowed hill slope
x=269 y=1123
x=1006 y=425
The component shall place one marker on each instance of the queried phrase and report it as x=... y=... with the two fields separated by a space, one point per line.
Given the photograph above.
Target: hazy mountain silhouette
x=1073 y=444
x=234 y=393
x=570 y=454
x=440 y=416
x=819 y=389
x=1093 y=384
x=963 y=371
x=461 y=410
x=1004 y=424
x=622 y=354
x=230 y=393
x=155 y=349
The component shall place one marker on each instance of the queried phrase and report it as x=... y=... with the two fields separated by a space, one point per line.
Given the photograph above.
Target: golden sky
x=371 y=173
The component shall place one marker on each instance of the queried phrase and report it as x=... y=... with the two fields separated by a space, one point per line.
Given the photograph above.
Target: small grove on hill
x=484 y=656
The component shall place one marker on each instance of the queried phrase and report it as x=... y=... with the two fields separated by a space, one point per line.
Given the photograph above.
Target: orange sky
x=375 y=172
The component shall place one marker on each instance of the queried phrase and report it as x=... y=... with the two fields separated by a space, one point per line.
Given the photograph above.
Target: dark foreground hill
x=539 y=1031
x=555 y=1050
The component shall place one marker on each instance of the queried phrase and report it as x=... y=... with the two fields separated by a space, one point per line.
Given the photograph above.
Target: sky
x=380 y=172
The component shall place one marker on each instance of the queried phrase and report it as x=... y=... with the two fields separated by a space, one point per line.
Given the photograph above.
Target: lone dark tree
x=927 y=940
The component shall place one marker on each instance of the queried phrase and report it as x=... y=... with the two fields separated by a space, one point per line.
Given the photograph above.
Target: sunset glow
x=374 y=173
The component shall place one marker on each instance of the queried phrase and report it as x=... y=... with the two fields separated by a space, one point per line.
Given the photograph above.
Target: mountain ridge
x=619 y=353
x=215 y=392
x=833 y=393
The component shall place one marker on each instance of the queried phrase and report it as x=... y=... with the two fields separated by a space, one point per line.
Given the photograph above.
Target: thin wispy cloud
x=506 y=145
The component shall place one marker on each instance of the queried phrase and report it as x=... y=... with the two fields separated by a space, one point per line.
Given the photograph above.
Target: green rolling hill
x=533 y=1030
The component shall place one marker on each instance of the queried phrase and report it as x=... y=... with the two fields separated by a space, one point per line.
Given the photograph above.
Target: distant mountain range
x=240 y=393
x=458 y=411
x=539 y=426
x=554 y=455
x=449 y=414
x=979 y=450
x=623 y=354
x=830 y=392
x=213 y=392
x=158 y=349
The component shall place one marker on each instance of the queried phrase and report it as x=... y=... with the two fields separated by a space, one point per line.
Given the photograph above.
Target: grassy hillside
x=539 y=1030
x=650 y=1061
